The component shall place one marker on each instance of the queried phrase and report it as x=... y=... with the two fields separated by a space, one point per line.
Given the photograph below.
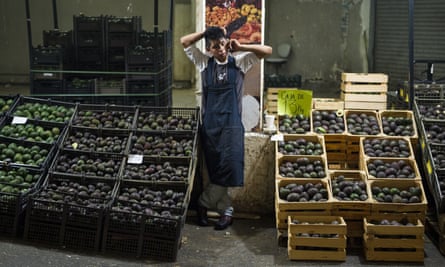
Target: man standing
x=222 y=131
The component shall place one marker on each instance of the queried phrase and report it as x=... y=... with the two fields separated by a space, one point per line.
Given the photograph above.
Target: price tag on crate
x=19 y=120
x=135 y=159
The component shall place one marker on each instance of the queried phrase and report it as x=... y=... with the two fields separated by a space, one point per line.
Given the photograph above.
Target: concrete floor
x=248 y=242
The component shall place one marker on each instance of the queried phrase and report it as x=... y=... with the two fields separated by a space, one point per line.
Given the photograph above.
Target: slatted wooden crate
x=293 y=140
x=404 y=243
x=350 y=209
x=316 y=238
x=284 y=208
x=295 y=160
x=336 y=149
x=403 y=114
x=364 y=91
x=272 y=101
x=413 y=210
x=409 y=162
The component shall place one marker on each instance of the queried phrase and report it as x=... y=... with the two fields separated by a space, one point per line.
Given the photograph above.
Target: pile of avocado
x=17 y=180
x=34 y=155
x=44 y=112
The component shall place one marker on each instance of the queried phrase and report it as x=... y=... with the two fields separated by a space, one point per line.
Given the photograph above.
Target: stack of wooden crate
x=345 y=156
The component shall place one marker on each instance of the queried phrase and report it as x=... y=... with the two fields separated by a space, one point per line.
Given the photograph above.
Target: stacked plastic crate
x=149 y=69
x=29 y=135
x=119 y=183
x=431 y=121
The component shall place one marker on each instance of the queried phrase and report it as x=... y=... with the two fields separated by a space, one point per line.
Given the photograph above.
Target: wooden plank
x=365 y=105
x=305 y=254
x=348 y=97
x=364 y=77
x=363 y=88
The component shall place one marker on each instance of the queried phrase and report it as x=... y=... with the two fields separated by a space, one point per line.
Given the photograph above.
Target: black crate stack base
x=93 y=188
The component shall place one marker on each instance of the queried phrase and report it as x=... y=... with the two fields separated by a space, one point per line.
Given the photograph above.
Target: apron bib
x=222 y=129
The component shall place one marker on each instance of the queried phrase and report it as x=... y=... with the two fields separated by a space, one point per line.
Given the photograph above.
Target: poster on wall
x=243 y=20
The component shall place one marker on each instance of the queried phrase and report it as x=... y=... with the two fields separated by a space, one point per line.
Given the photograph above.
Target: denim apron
x=222 y=129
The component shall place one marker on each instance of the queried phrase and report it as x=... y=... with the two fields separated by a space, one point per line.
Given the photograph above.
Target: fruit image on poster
x=242 y=18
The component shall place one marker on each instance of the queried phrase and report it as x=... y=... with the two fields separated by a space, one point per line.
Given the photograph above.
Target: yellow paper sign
x=294 y=102
x=429 y=168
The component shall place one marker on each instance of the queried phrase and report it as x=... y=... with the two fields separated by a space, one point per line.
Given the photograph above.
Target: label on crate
x=277 y=137
x=135 y=159
x=19 y=120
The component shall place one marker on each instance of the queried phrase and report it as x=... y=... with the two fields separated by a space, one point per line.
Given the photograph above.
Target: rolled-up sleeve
x=246 y=60
x=197 y=57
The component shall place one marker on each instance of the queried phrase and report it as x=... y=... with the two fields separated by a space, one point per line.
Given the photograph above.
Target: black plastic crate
x=435 y=170
x=23 y=153
x=429 y=109
x=89 y=39
x=150 y=101
x=167 y=118
x=143 y=85
x=159 y=170
x=70 y=222
x=143 y=56
x=35 y=131
x=421 y=89
x=109 y=86
x=81 y=139
x=121 y=39
x=149 y=219
x=56 y=37
x=14 y=197
x=166 y=144
x=6 y=103
x=87 y=58
x=134 y=246
x=47 y=72
x=281 y=81
x=47 y=55
x=79 y=86
x=88 y=23
x=123 y=24
x=137 y=232
x=26 y=107
x=114 y=114
x=47 y=87
x=93 y=165
x=431 y=132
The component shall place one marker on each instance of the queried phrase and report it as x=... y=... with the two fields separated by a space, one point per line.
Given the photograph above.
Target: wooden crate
x=316 y=139
x=364 y=157
x=350 y=209
x=354 y=228
x=403 y=114
x=328 y=103
x=335 y=147
x=338 y=114
x=328 y=244
x=272 y=100
x=294 y=159
x=411 y=162
x=414 y=210
x=393 y=242
x=284 y=208
x=364 y=91
x=353 y=139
